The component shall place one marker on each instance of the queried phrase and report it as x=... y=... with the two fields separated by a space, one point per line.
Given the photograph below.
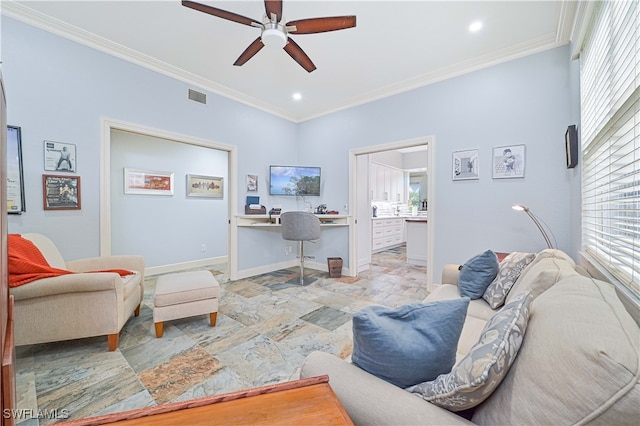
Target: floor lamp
x=522 y=208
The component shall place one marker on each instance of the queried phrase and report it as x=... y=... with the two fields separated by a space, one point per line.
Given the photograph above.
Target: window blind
x=610 y=97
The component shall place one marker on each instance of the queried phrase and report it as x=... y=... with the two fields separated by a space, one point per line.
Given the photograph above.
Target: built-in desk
x=264 y=220
x=259 y=247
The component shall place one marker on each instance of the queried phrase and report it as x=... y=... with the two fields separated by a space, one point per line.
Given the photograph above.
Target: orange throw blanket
x=27 y=263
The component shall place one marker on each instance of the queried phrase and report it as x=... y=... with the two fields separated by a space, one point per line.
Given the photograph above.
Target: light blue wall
x=525 y=101
x=167 y=229
x=60 y=90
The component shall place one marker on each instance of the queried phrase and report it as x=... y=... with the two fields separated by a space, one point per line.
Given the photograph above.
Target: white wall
x=525 y=101
x=389 y=158
x=415 y=160
x=167 y=229
x=60 y=90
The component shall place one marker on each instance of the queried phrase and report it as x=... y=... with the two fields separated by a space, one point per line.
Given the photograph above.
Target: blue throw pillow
x=410 y=344
x=477 y=273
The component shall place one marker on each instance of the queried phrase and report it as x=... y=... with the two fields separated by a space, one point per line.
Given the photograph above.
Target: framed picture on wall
x=61 y=192
x=15 y=176
x=252 y=183
x=508 y=161
x=59 y=157
x=204 y=186
x=147 y=182
x=465 y=165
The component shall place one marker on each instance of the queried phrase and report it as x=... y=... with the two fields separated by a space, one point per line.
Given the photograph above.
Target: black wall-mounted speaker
x=571 y=145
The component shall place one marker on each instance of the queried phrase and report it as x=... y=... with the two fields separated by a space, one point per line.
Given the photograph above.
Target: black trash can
x=335 y=267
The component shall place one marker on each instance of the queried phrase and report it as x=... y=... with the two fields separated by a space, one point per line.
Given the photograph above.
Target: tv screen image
x=294 y=180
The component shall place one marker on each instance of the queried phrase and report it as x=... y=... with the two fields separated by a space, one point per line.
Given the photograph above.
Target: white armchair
x=77 y=305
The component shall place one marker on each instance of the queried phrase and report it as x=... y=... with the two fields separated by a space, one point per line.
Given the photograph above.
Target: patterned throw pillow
x=510 y=269
x=480 y=372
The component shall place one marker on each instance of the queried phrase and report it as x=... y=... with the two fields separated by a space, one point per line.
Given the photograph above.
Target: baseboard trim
x=290 y=264
x=246 y=273
x=177 y=267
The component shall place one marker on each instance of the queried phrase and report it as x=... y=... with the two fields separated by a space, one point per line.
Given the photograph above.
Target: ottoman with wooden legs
x=185 y=294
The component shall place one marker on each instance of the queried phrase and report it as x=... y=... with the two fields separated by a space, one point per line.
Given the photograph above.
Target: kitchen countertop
x=408 y=217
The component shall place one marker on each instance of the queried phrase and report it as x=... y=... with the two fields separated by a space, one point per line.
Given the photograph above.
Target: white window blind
x=610 y=77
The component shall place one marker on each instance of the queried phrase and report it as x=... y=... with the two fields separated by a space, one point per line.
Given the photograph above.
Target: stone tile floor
x=264 y=331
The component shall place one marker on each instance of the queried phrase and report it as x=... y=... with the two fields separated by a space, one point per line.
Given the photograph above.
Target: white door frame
x=353 y=234
x=105 y=178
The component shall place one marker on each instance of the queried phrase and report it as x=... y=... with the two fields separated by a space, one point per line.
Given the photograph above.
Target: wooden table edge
x=200 y=402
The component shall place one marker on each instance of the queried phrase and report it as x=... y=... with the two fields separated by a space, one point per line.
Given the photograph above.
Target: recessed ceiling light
x=297 y=96
x=475 y=26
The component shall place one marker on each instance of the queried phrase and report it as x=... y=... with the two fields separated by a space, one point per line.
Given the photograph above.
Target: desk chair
x=300 y=226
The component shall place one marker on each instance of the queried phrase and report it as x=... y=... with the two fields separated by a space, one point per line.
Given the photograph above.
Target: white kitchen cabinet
x=417 y=241
x=387 y=183
x=386 y=232
x=396 y=186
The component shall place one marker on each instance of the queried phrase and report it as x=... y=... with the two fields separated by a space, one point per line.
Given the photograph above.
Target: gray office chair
x=300 y=226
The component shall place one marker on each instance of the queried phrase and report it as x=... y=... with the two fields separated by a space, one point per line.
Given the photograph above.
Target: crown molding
x=71 y=32
x=566 y=22
x=507 y=54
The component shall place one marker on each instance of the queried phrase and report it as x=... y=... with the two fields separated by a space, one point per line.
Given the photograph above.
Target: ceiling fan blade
x=273 y=7
x=322 y=25
x=249 y=52
x=230 y=16
x=298 y=55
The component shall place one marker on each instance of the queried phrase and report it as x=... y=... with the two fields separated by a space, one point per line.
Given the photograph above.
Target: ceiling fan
x=274 y=33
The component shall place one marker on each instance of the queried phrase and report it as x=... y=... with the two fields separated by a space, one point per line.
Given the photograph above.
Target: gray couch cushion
x=478 y=313
x=579 y=362
x=410 y=344
x=510 y=269
x=549 y=267
x=486 y=365
x=371 y=401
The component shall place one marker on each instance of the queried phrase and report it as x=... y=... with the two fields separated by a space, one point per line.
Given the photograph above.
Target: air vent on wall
x=197 y=96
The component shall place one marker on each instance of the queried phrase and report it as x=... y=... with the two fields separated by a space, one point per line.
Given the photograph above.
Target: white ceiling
x=396 y=45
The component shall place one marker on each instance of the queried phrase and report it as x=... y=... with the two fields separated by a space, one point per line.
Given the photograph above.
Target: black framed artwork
x=571 y=145
x=15 y=178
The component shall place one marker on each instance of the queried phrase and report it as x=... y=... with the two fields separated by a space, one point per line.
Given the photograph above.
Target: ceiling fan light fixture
x=274 y=38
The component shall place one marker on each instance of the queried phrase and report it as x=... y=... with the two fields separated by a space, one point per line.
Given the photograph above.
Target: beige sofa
x=77 y=305
x=578 y=363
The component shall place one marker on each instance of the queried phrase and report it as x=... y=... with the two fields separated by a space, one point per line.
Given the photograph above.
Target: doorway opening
x=363 y=194
x=125 y=146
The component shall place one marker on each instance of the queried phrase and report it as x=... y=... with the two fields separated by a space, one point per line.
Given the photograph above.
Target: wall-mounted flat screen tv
x=294 y=180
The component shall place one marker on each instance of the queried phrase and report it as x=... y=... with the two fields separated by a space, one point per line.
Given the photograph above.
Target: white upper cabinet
x=387 y=183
